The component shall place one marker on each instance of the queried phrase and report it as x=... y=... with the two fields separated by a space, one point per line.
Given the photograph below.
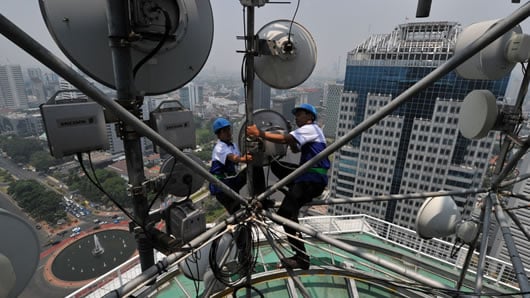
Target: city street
x=38 y=286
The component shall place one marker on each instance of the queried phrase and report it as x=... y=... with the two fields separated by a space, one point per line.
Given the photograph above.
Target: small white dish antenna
x=21 y=247
x=286 y=60
x=437 y=217
x=478 y=114
x=498 y=58
x=80 y=29
x=182 y=180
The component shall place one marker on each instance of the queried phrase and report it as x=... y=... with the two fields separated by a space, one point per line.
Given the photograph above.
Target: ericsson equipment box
x=175 y=123
x=74 y=127
x=183 y=221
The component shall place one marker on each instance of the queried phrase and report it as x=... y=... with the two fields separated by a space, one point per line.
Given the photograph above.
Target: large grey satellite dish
x=290 y=61
x=80 y=29
x=183 y=181
x=437 y=217
x=492 y=62
x=21 y=247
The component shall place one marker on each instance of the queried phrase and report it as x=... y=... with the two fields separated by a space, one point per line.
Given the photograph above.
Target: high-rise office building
x=331 y=102
x=418 y=147
x=312 y=96
x=37 y=87
x=284 y=106
x=191 y=95
x=12 y=90
x=262 y=95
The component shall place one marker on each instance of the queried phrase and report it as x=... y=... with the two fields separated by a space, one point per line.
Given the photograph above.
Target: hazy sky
x=336 y=25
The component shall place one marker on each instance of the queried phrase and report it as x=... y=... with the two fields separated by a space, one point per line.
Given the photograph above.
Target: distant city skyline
x=337 y=26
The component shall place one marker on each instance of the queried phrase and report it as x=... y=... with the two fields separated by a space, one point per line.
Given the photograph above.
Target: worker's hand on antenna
x=253 y=131
x=246 y=158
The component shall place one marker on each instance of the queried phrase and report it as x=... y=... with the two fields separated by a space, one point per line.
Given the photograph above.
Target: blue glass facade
x=390 y=75
x=395 y=80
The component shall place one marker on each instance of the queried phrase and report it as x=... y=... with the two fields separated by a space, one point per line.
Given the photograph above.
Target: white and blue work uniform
x=223 y=168
x=311 y=141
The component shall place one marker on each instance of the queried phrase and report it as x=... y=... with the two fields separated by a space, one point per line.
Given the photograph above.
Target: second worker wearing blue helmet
x=309 y=140
x=225 y=159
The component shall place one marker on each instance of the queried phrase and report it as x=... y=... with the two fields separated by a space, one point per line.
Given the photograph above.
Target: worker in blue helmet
x=309 y=140
x=225 y=159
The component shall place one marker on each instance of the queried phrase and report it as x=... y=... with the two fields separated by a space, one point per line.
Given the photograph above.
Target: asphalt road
x=37 y=287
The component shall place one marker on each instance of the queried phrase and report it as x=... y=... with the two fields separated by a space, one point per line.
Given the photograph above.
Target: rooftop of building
x=378 y=259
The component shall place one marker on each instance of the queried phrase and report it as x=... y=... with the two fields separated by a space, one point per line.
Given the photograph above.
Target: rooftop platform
x=388 y=261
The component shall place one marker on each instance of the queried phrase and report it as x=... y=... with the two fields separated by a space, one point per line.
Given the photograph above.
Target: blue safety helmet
x=220 y=123
x=307 y=107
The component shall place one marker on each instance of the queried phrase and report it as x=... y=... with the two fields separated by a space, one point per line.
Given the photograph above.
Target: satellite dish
x=271 y=121
x=21 y=250
x=8 y=277
x=182 y=180
x=481 y=113
x=437 y=217
x=285 y=63
x=80 y=29
x=492 y=62
x=478 y=114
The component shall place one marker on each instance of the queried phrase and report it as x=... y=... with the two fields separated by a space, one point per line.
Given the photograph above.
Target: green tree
x=41 y=160
x=204 y=136
x=37 y=201
x=205 y=154
x=21 y=149
x=111 y=183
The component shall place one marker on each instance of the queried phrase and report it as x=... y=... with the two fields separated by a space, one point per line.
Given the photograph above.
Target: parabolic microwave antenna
x=19 y=254
x=270 y=121
x=181 y=180
x=80 y=28
x=497 y=59
x=437 y=217
x=288 y=54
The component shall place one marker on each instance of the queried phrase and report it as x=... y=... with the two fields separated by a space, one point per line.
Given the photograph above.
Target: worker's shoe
x=295 y=262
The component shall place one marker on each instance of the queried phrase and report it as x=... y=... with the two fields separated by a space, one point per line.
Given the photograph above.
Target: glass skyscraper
x=418 y=147
x=12 y=89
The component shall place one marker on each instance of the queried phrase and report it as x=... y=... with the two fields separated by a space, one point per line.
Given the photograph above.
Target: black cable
x=162 y=41
x=163 y=186
x=292 y=21
x=246 y=286
x=80 y=159
x=245 y=259
x=194 y=259
x=244 y=61
x=455 y=249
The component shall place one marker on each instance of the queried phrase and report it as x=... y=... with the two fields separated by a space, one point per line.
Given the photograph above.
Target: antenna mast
x=119 y=30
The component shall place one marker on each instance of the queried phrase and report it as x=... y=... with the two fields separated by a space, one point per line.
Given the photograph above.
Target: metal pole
x=356 y=251
x=249 y=85
x=163 y=264
x=489 y=36
x=118 y=20
x=410 y=196
x=249 y=82
x=496 y=181
x=518 y=267
x=506 y=144
x=32 y=47
x=299 y=285
x=483 y=244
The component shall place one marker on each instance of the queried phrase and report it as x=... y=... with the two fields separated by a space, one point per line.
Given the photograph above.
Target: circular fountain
x=93 y=255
